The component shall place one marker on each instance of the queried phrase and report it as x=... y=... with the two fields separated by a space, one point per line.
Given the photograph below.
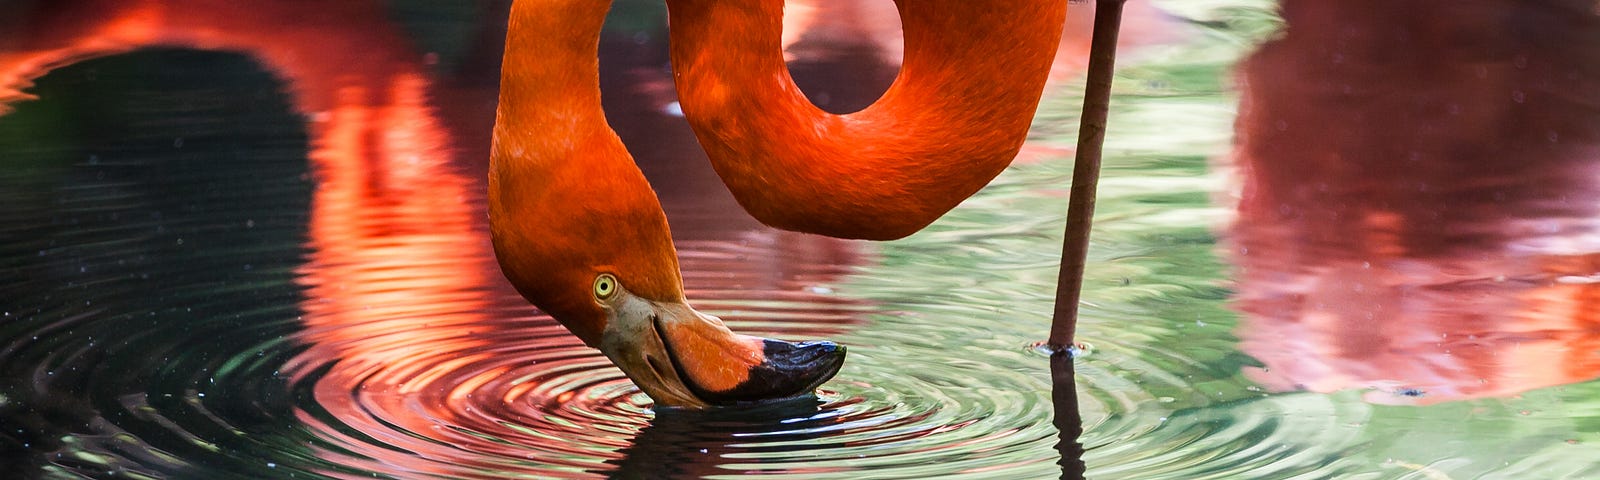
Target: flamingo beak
x=683 y=358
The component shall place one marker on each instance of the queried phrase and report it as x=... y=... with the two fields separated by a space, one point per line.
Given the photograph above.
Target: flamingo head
x=682 y=357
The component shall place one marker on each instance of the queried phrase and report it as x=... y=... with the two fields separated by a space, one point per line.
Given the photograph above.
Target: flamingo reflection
x=1417 y=212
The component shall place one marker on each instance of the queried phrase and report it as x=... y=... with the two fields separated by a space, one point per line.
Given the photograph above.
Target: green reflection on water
x=1164 y=396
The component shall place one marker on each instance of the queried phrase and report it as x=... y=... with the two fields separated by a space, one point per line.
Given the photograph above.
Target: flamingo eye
x=605 y=285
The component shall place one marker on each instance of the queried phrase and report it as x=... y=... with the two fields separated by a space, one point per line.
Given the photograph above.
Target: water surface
x=247 y=252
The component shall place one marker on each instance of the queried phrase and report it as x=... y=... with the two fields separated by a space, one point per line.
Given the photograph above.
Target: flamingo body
x=954 y=118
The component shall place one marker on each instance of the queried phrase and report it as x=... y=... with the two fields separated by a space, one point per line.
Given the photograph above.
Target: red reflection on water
x=1419 y=199
x=414 y=338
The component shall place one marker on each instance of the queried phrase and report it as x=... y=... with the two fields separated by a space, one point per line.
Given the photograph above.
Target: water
x=266 y=258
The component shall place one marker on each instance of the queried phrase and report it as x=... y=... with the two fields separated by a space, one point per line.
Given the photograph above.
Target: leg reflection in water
x=1068 y=419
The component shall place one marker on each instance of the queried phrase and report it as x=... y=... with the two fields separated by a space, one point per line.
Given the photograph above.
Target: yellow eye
x=604 y=286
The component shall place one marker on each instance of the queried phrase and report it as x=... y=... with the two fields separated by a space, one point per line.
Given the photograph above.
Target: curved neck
x=952 y=120
x=566 y=201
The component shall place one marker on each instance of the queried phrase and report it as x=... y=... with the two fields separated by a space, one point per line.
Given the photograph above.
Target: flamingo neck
x=566 y=201
x=952 y=120
x=550 y=74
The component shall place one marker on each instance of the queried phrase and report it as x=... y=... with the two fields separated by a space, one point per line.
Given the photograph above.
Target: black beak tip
x=800 y=358
x=791 y=369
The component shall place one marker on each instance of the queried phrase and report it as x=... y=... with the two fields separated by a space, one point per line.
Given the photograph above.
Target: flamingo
x=578 y=231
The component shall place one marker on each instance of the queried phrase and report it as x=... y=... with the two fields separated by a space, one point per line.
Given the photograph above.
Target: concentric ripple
x=475 y=391
x=543 y=406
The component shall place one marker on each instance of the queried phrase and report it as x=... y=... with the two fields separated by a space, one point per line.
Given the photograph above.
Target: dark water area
x=1334 y=240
